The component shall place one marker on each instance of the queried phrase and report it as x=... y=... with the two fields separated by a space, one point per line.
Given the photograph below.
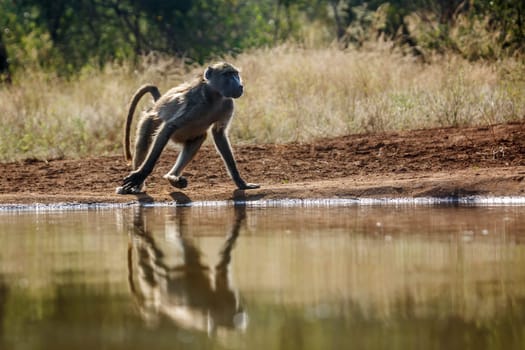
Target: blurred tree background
x=65 y=36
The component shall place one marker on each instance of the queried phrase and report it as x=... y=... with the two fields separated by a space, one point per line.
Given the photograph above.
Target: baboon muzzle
x=238 y=92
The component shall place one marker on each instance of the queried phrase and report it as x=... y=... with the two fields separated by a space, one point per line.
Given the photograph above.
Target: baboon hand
x=132 y=181
x=247 y=186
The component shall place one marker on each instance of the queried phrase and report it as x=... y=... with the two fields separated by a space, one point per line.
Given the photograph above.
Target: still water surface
x=275 y=278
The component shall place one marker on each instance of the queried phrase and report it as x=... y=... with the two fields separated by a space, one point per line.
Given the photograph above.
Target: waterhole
x=224 y=277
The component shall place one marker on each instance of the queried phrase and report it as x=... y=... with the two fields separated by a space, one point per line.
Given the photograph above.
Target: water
x=357 y=277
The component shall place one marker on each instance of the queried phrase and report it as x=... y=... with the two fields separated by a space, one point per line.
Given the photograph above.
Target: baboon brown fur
x=184 y=114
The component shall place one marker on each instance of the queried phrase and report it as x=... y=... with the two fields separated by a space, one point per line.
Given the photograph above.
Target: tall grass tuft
x=292 y=94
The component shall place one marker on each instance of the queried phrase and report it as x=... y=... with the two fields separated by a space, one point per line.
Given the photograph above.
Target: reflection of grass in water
x=294 y=327
x=291 y=94
x=423 y=277
x=365 y=291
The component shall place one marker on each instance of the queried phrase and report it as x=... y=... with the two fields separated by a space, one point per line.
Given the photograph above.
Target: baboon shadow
x=144 y=198
x=188 y=293
x=243 y=196
x=180 y=197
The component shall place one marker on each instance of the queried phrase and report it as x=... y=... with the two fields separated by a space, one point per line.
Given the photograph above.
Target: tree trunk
x=340 y=30
x=5 y=74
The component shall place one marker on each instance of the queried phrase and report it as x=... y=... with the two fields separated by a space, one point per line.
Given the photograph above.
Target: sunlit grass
x=295 y=94
x=292 y=94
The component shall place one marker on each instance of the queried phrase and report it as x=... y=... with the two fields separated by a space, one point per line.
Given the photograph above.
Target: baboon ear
x=207 y=73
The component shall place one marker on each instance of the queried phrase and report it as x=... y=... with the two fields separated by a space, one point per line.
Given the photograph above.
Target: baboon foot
x=133 y=183
x=128 y=190
x=177 y=181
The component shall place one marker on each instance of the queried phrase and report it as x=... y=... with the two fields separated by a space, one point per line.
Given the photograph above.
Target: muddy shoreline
x=431 y=163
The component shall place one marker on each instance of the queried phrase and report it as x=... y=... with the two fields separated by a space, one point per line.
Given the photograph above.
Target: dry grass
x=292 y=94
x=295 y=94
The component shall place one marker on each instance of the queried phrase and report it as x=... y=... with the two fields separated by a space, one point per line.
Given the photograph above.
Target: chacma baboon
x=184 y=114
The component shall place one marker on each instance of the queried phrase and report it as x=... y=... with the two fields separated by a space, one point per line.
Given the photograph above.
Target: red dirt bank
x=422 y=163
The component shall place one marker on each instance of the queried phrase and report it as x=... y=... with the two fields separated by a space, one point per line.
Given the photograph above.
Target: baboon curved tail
x=144 y=89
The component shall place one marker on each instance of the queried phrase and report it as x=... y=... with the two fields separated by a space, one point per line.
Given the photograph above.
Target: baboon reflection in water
x=190 y=294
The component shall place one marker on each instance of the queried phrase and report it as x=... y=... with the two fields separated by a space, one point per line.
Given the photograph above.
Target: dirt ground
x=437 y=162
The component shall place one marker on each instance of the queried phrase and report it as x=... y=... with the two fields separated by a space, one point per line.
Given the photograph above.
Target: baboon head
x=225 y=79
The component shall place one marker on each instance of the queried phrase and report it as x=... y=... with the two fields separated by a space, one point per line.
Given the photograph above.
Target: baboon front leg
x=223 y=146
x=137 y=177
x=187 y=153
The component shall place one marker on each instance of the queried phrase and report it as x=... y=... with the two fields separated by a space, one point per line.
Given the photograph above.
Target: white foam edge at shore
x=272 y=203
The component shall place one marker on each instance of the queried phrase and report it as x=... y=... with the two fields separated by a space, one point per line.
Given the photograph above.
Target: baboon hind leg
x=143 y=139
x=187 y=153
x=145 y=132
